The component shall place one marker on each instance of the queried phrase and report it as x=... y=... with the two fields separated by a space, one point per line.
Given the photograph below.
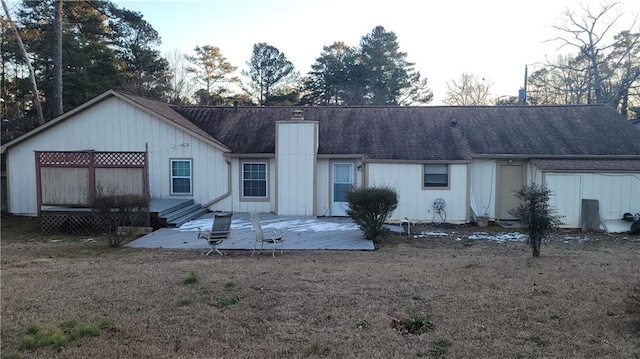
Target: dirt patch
x=481 y=298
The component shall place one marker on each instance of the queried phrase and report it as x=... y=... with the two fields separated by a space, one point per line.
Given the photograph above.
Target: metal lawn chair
x=220 y=231
x=274 y=237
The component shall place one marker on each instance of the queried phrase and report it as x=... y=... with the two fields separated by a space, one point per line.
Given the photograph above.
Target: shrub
x=537 y=217
x=370 y=207
x=119 y=210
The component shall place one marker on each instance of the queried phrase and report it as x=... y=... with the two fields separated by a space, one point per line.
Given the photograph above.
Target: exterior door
x=511 y=179
x=341 y=184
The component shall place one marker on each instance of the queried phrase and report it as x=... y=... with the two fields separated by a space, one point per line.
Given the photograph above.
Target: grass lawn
x=431 y=297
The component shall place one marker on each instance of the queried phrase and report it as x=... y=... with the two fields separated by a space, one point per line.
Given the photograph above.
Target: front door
x=341 y=184
x=511 y=178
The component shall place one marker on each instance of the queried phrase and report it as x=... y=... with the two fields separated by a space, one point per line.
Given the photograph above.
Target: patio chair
x=220 y=231
x=274 y=237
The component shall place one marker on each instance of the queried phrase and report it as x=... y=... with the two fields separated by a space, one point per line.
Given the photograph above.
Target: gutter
x=226 y=194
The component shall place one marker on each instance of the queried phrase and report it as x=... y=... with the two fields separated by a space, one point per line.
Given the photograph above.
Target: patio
x=301 y=233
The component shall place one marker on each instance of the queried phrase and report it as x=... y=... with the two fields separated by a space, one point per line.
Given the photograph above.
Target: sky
x=493 y=39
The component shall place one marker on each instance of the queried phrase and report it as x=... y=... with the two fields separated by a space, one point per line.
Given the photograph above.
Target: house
x=302 y=160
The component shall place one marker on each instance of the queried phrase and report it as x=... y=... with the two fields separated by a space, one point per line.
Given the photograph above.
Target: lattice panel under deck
x=82 y=222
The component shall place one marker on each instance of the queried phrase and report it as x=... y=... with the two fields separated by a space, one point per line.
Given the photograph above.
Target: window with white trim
x=181 y=179
x=436 y=176
x=254 y=180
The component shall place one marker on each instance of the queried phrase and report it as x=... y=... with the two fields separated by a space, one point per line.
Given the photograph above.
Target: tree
x=375 y=73
x=537 y=216
x=563 y=81
x=471 y=90
x=268 y=70
x=386 y=67
x=417 y=93
x=622 y=75
x=329 y=77
x=57 y=59
x=27 y=61
x=180 y=80
x=507 y=101
x=144 y=70
x=90 y=64
x=613 y=67
x=16 y=109
x=103 y=47
x=210 y=68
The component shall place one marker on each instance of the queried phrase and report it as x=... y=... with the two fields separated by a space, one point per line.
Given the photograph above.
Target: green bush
x=537 y=217
x=369 y=208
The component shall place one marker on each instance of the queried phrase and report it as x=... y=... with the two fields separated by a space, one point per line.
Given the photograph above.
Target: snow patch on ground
x=292 y=225
x=578 y=239
x=431 y=234
x=498 y=237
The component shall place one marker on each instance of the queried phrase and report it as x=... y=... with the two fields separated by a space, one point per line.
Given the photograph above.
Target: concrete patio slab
x=301 y=233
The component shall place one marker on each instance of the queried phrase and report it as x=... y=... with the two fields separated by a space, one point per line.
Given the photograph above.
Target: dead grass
x=482 y=299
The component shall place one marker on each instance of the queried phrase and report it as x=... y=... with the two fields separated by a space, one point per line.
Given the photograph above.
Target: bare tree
x=613 y=65
x=562 y=81
x=181 y=79
x=471 y=90
x=34 y=86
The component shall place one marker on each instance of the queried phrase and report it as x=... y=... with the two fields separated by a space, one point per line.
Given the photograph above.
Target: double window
x=254 y=180
x=436 y=176
x=181 y=177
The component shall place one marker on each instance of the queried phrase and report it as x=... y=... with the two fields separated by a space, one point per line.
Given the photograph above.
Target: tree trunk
x=535 y=246
x=34 y=86
x=57 y=59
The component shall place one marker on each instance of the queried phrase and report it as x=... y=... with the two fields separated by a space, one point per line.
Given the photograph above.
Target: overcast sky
x=493 y=39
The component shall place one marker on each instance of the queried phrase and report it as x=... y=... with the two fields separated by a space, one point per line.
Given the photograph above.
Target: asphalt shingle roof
x=431 y=133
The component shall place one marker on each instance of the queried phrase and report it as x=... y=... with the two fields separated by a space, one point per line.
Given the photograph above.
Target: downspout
x=226 y=194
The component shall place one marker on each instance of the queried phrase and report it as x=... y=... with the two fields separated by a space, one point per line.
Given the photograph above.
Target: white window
x=436 y=176
x=254 y=179
x=181 y=179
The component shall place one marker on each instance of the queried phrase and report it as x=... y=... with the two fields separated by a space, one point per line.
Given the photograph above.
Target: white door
x=341 y=184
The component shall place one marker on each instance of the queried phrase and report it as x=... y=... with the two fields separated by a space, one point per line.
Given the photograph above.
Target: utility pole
x=524 y=98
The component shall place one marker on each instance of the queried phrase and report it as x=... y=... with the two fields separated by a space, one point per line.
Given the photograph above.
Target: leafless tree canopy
x=605 y=67
x=470 y=90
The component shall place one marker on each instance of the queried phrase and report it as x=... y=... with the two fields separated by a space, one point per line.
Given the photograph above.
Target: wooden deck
x=301 y=233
